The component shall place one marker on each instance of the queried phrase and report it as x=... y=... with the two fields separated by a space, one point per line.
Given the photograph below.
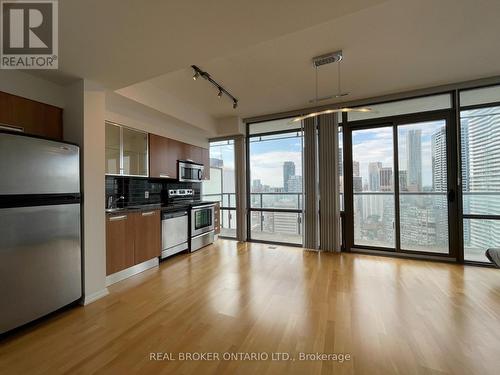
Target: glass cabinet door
x=126 y=151
x=135 y=153
x=112 y=149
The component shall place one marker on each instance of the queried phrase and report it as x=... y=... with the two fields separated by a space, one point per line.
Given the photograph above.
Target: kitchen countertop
x=146 y=207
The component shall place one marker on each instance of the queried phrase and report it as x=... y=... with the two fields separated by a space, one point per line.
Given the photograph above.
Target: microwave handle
x=200 y=174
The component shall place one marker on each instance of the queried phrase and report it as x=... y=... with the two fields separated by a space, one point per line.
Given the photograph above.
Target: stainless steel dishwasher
x=174 y=232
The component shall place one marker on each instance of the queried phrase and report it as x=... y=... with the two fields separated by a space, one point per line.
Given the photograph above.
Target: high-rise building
x=385 y=179
x=288 y=171
x=256 y=186
x=295 y=184
x=464 y=145
x=465 y=165
x=374 y=176
x=482 y=155
x=403 y=181
x=357 y=183
x=414 y=159
x=355 y=168
x=341 y=162
x=216 y=163
x=438 y=151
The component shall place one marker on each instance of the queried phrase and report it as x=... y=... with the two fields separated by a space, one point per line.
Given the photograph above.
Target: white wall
x=94 y=191
x=28 y=86
x=127 y=112
x=230 y=126
x=83 y=119
x=157 y=99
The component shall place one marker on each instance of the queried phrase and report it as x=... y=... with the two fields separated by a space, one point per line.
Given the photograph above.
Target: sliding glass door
x=402 y=195
x=373 y=187
x=423 y=187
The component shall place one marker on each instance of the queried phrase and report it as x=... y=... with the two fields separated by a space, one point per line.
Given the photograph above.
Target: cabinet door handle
x=164 y=175
x=118 y=218
x=148 y=213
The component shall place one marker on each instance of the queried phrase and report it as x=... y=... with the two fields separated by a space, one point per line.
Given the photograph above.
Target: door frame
x=453 y=168
x=249 y=208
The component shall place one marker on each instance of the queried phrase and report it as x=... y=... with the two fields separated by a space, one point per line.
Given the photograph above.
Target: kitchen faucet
x=112 y=202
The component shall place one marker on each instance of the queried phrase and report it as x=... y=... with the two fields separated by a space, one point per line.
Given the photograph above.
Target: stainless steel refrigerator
x=40 y=252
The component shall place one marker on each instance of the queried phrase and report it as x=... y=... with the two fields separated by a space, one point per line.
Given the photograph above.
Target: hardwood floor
x=393 y=316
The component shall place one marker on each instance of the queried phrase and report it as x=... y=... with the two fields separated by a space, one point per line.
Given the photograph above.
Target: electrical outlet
x=146 y=194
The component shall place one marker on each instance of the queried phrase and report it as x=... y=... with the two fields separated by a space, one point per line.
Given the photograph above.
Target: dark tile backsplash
x=134 y=189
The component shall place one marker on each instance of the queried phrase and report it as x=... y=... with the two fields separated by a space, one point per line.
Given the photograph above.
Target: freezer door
x=40 y=262
x=36 y=166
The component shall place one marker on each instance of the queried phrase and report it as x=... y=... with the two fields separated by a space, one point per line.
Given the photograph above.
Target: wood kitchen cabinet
x=30 y=116
x=147 y=235
x=163 y=156
x=165 y=152
x=132 y=238
x=119 y=242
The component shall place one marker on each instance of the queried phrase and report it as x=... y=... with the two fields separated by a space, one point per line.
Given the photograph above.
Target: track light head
x=219 y=95
x=196 y=75
x=235 y=104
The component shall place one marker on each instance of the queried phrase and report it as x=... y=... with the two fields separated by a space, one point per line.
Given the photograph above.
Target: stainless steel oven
x=202 y=226
x=190 y=172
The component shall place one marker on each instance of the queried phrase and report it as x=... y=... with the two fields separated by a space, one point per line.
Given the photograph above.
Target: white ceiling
x=261 y=50
x=121 y=42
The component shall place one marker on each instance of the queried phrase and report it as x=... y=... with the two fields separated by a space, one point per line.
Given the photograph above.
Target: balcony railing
x=276 y=217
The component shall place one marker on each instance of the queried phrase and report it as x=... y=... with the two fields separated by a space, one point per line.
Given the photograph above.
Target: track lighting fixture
x=200 y=73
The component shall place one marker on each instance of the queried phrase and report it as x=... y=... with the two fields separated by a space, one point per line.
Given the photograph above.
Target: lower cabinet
x=131 y=238
x=119 y=243
x=147 y=235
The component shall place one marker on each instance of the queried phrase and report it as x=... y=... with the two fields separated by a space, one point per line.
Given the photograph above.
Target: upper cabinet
x=113 y=149
x=30 y=116
x=126 y=151
x=135 y=152
x=165 y=152
x=162 y=157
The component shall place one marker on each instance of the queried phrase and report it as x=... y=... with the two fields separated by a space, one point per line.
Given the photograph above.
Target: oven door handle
x=197 y=208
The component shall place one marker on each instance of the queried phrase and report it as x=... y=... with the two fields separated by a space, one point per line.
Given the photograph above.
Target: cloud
x=268 y=166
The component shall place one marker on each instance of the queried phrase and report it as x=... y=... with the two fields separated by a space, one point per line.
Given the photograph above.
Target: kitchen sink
x=111 y=210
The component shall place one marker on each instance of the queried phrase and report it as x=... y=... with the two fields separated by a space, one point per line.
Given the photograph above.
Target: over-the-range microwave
x=190 y=171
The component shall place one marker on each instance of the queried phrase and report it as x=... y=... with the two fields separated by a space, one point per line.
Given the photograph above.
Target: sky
x=372 y=145
x=267 y=158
